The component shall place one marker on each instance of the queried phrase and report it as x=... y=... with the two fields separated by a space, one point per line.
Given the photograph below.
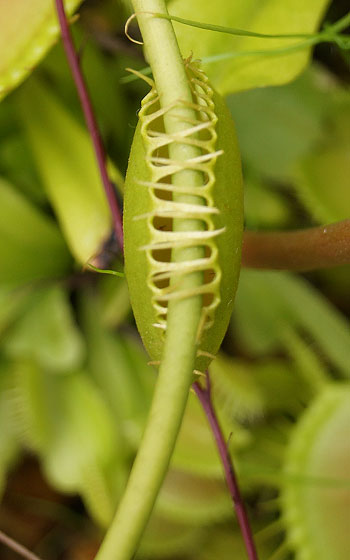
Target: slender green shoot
x=329 y=34
x=105 y=271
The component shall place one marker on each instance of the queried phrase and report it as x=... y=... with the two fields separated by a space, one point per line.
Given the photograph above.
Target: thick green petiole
x=177 y=364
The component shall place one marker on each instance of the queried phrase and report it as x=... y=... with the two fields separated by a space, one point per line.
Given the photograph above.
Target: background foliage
x=75 y=385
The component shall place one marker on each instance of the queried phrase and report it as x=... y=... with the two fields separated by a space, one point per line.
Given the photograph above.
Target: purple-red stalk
x=18 y=548
x=204 y=395
x=74 y=64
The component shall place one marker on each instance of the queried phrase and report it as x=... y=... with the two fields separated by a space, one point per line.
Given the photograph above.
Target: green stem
x=234 y=30
x=176 y=369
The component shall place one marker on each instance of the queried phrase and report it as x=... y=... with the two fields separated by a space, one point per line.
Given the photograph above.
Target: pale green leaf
x=165 y=538
x=31 y=245
x=193 y=499
x=9 y=446
x=266 y=301
x=322 y=182
x=84 y=452
x=30 y=408
x=277 y=126
x=271 y=16
x=47 y=333
x=27 y=30
x=113 y=368
x=64 y=156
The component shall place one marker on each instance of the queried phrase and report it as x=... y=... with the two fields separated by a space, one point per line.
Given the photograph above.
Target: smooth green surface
x=48 y=333
x=228 y=195
x=27 y=30
x=269 y=301
x=66 y=163
x=32 y=247
x=271 y=16
x=322 y=178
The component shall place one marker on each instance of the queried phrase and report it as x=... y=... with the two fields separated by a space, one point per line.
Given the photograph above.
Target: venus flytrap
x=315 y=514
x=183 y=220
x=181 y=251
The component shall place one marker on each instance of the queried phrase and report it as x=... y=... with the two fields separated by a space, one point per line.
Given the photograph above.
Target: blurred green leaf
x=102 y=77
x=30 y=407
x=308 y=363
x=236 y=389
x=47 y=333
x=12 y=304
x=9 y=448
x=16 y=164
x=195 y=451
x=31 y=246
x=27 y=30
x=264 y=207
x=112 y=366
x=248 y=391
x=268 y=300
x=277 y=126
x=165 y=538
x=224 y=542
x=84 y=452
x=322 y=178
x=271 y=16
x=115 y=303
x=190 y=498
x=63 y=153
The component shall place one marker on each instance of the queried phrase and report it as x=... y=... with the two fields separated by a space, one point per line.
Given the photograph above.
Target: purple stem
x=73 y=61
x=18 y=548
x=204 y=395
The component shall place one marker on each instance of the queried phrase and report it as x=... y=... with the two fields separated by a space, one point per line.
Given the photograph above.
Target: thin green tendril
x=329 y=34
x=106 y=271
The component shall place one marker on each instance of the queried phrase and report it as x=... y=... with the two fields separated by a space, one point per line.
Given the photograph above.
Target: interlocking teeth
x=201 y=134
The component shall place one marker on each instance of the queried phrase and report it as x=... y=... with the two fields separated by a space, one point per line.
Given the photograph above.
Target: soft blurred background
x=75 y=384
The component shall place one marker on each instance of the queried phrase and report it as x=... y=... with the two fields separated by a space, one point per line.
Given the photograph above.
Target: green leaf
x=277 y=126
x=111 y=363
x=12 y=304
x=193 y=499
x=165 y=538
x=16 y=164
x=271 y=16
x=195 y=451
x=322 y=178
x=248 y=391
x=267 y=301
x=27 y=30
x=84 y=453
x=31 y=246
x=236 y=388
x=47 y=332
x=102 y=77
x=30 y=407
x=264 y=208
x=115 y=304
x=225 y=542
x=9 y=448
x=64 y=156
